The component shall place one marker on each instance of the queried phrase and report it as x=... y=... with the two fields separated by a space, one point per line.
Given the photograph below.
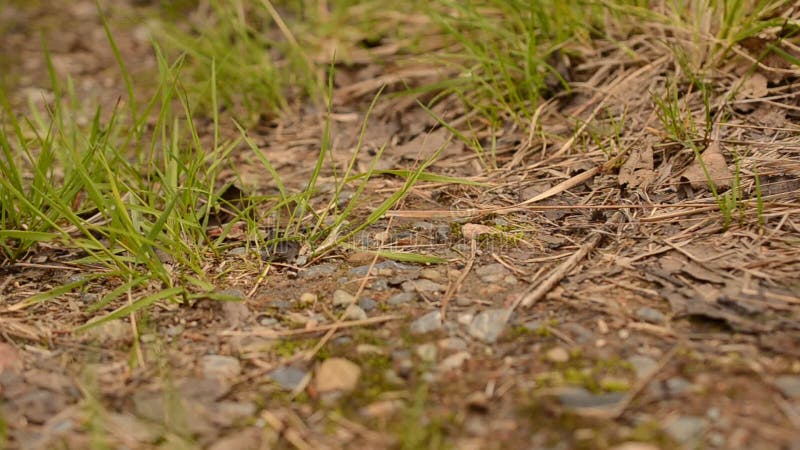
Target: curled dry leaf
x=716 y=166
x=473 y=230
x=425 y=145
x=755 y=86
x=638 y=169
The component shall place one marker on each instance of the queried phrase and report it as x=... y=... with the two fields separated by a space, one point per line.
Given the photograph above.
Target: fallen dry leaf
x=716 y=167
x=638 y=168
x=755 y=86
x=473 y=230
x=425 y=145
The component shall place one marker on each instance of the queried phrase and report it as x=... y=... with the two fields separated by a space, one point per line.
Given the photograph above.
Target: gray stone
x=238 y=251
x=454 y=361
x=403 y=297
x=203 y=389
x=488 y=325
x=685 y=429
x=289 y=378
x=236 y=313
x=579 y=398
x=650 y=315
x=643 y=365
x=367 y=304
x=337 y=374
x=353 y=312
x=424 y=226
x=452 y=344
x=427 y=352
x=226 y=413
x=342 y=298
x=442 y=234
x=431 y=274
x=379 y=285
x=90 y=297
x=463 y=301
x=427 y=323
x=280 y=305
x=580 y=333
x=360 y=271
x=492 y=273
x=320 y=270
x=111 y=332
x=789 y=385
x=219 y=366
x=677 y=386
x=423 y=286
x=268 y=321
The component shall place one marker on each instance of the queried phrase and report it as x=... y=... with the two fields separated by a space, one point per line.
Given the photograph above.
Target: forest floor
x=574 y=278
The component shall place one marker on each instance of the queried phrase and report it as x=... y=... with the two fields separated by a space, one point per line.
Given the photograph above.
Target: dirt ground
x=583 y=303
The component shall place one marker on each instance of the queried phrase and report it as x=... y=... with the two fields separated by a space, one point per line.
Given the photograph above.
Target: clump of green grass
x=260 y=63
x=132 y=194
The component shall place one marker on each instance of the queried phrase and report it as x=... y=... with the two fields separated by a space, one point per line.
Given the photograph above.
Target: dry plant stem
x=454 y=288
x=260 y=280
x=135 y=333
x=564 y=268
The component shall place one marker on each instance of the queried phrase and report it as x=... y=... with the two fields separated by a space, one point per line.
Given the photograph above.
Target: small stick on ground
x=453 y=289
x=564 y=268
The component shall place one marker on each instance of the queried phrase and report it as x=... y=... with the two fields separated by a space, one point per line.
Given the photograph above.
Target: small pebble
x=677 y=386
x=685 y=429
x=268 y=321
x=427 y=323
x=463 y=301
x=643 y=365
x=367 y=304
x=427 y=352
x=488 y=325
x=557 y=355
x=431 y=274
x=288 y=378
x=452 y=343
x=308 y=298
x=492 y=273
x=353 y=312
x=403 y=297
x=220 y=367
x=337 y=374
x=423 y=286
x=454 y=361
x=342 y=298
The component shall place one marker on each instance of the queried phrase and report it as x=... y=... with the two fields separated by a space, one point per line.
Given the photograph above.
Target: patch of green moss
x=286 y=348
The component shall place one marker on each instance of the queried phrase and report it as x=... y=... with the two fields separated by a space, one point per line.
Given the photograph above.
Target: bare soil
x=634 y=315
